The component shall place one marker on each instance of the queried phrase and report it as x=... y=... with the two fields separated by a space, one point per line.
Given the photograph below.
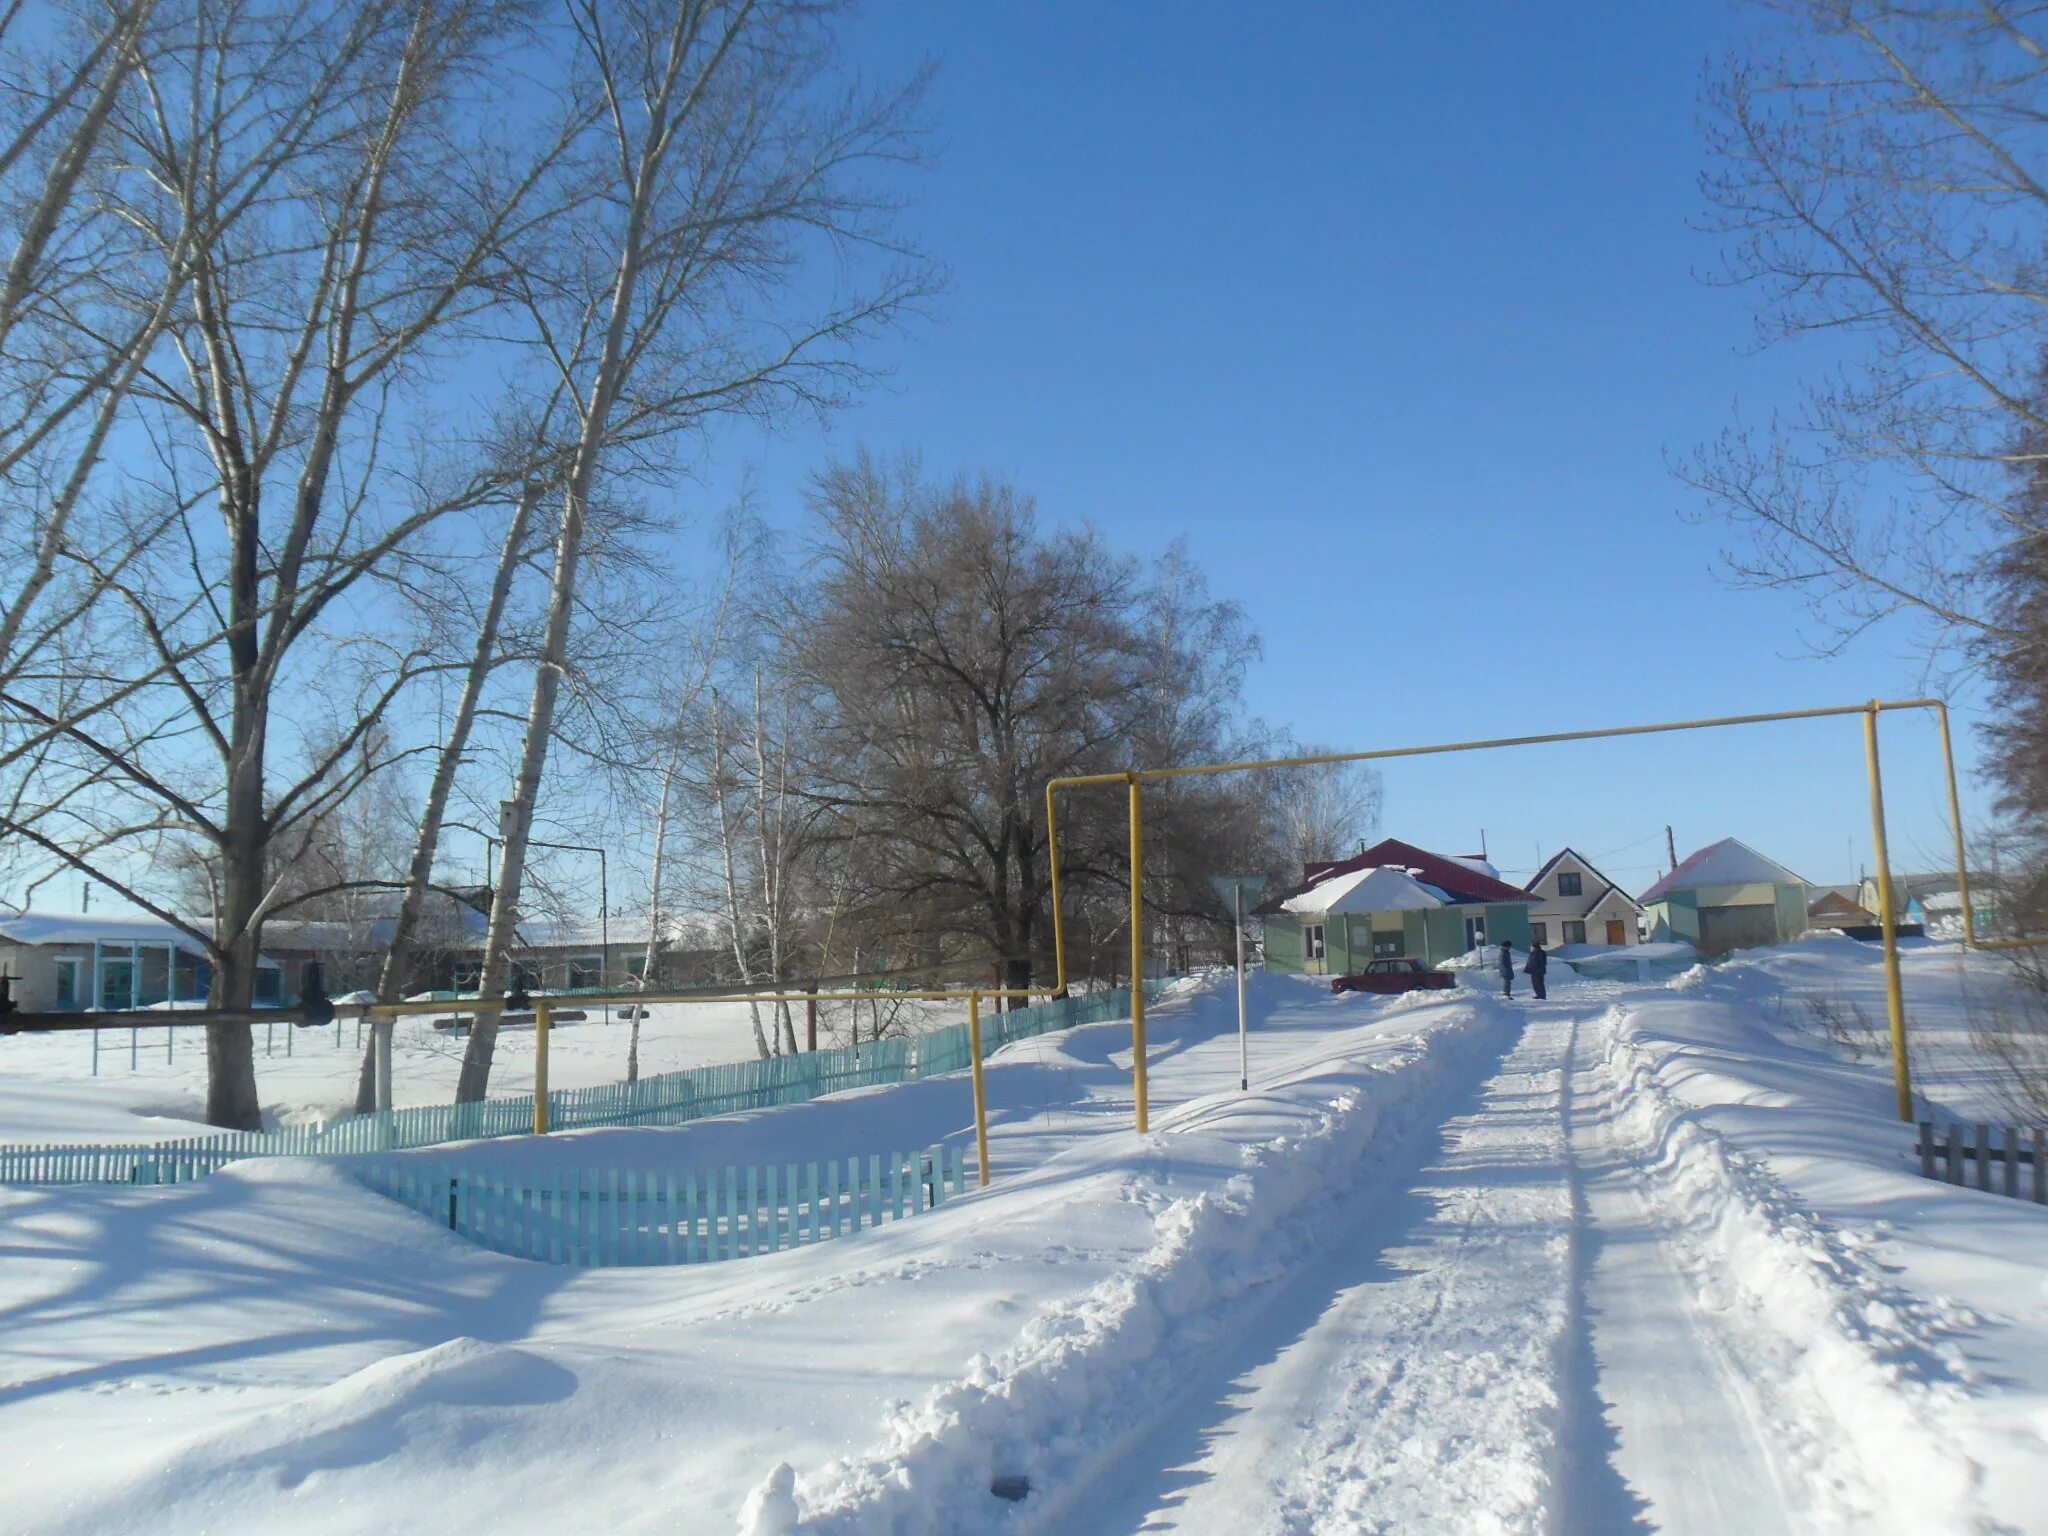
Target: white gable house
x=1576 y=904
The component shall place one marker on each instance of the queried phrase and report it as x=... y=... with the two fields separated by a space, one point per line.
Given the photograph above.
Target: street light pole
x=1244 y=1073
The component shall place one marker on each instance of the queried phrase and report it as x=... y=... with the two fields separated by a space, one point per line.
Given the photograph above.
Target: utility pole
x=1671 y=847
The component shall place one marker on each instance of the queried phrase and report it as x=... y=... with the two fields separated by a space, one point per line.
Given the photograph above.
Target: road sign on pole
x=1239 y=892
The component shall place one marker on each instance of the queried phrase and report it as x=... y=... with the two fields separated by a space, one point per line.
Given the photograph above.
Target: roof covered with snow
x=1377 y=889
x=90 y=927
x=1728 y=862
x=1455 y=880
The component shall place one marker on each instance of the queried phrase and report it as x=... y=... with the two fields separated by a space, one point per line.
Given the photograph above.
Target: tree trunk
x=231 y=1097
x=398 y=958
x=652 y=954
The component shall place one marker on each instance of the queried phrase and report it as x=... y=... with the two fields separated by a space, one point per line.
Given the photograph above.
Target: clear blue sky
x=1393 y=311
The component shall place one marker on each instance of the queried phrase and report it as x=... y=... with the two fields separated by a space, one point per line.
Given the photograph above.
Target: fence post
x=2012 y=1160
x=980 y=1095
x=1926 y=1149
x=1952 y=1155
x=542 y=1018
x=1983 y=1156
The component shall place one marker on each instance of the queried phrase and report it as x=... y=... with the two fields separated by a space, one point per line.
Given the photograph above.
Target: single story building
x=1727 y=896
x=1393 y=899
x=1833 y=909
x=111 y=960
x=1939 y=901
x=1576 y=904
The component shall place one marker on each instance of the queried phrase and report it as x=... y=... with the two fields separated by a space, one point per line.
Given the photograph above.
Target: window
x=467 y=975
x=269 y=984
x=1571 y=885
x=1389 y=944
x=586 y=973
x=1539 y=933
x=1574 y=933
x=1312 y=942
x=1475 y=932
x=527 y=978
x=67 y=982
x=636 y=966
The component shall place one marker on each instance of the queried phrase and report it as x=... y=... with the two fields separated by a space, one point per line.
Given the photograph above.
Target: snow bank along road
x=1633 y=1259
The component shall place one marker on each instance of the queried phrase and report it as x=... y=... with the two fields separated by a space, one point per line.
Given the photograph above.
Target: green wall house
x=1393 y=899
x=1728 y=896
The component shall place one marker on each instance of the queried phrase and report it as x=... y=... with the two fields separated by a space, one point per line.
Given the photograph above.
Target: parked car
x=1401 y=975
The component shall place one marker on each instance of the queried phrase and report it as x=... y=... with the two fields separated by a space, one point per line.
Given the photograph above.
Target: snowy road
x=1512 y=1338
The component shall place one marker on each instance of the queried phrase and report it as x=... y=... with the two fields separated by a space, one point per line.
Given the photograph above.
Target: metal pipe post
x=380 y=1036
x=980 y=1099
x=1138 y=953
x=1955 y=818
x=1052 y=857
x=541 y=1020
x=1894 y=998
x=1244 y=1074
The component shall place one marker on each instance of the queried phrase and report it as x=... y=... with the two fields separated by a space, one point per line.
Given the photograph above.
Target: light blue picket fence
x=668 y=1099
x=592 y=1218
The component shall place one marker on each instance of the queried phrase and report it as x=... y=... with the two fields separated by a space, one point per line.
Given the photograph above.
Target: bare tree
x=370 y=224
x=953 y=657
x=1881 y=177
x=723 y=162
x=1321 y=812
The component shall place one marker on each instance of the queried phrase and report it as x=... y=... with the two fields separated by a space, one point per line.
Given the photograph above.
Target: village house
x=1393 y=899
x=1576 y=904
x=1727 y=896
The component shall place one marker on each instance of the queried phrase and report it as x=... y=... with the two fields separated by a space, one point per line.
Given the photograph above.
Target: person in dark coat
x=1535 y=967
x=1507 y=969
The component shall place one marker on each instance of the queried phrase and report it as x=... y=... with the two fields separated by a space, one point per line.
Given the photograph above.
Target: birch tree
x=375 y=210
x=724 y=159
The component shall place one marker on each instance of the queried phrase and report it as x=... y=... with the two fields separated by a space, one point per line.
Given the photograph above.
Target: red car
x=1395 y=976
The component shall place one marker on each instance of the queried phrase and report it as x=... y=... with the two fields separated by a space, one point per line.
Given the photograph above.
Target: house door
x=1616 y=932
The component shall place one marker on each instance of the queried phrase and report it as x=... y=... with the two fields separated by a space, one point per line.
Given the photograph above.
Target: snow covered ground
x=1637 y=1258
x=48 y=1092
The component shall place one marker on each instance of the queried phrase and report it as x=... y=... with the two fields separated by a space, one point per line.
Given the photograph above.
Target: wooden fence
x=604 y=1218
x=1951 y=1152
x=670 y=1098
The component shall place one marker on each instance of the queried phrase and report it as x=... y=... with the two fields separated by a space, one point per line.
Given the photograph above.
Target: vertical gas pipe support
x=1894 y=999
x=1955 y=819
x=980 y=1098
x=1052 y=859
x=1138 y=953
x=541 y=1020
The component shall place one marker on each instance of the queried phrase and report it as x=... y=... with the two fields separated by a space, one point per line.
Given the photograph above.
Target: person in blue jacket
x=1535 y=967
x=1507 y=969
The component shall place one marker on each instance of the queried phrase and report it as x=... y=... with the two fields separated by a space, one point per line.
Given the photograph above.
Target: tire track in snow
x=1409 y=1378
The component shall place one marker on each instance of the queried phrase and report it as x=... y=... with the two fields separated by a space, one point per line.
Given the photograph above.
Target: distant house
x=1833 y=909
x=110 y=960
x=1392 y=899
x=1727 y=896
x=1939 y=899
x=1576 y=904
x=588 y=955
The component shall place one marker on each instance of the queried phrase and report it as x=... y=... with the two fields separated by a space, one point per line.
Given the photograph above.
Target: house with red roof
x=1391 y=899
